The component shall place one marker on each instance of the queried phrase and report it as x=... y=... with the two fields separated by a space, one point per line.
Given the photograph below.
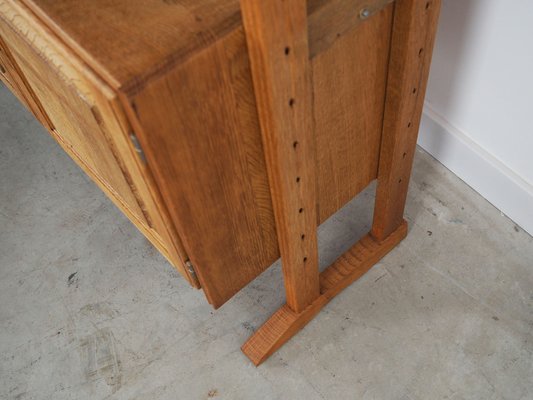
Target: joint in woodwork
x=285 y=323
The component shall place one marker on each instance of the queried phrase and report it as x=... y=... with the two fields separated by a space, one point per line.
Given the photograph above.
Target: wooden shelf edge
x=285 y=323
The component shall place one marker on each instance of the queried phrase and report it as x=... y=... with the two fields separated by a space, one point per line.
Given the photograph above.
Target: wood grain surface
x=331 y=19
x=349 y=97
x=84 y=115
x=413 y=36
x=128 y=42
x=203 y=144
x=168 y=32
x=285 y=322
x=248 y=144
x=276 y=34
x=12 y=76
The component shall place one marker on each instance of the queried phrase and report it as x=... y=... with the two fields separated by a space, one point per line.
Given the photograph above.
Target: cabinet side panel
x=199 y=127
x=349 y=80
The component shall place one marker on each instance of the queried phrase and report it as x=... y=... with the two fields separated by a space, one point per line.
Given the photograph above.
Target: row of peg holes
x=420 y=52
x=295 y=144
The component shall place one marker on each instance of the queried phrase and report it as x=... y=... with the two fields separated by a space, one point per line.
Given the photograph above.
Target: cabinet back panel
x=349 y=82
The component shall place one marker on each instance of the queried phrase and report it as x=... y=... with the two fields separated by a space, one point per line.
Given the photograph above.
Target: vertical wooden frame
x=413 y=35
x=271 y=26
x=276 y=35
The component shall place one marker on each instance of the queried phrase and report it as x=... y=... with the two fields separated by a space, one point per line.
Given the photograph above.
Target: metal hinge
x=137 y=146
x=190 y=269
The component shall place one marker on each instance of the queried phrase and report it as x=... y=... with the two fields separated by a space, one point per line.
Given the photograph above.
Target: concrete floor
x=89 y=310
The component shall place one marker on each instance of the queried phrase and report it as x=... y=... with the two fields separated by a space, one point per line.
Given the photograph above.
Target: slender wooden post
x=413 y=35
x=276 y=35
x=276 y=24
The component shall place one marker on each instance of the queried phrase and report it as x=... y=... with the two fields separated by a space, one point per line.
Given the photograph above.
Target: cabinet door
x=12 y=77
x=84 y=115
x=71 y=106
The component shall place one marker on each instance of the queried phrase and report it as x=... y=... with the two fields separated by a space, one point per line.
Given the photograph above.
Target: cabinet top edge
x=128 y=42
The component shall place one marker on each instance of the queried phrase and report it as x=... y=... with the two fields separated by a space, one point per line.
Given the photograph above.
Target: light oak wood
x=285 y=323
x=210 y=64
x=84 y=115
x=413 y=36
x=68 y=100
x=276 y=34
x=348 y=98
x=168 y=32
x=331 y=19
x=12 y=76
x=413 y=32
x=204 y=147
x=254 y=126
x=221 y=75
x=130 y=42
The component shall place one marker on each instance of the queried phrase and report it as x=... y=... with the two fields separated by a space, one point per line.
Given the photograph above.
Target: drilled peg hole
x=287 y=50
x=414 y=90
x=400 y=180
x=303 y=236
x=301 y=210
x=305 y=259
x=420 y=51
x=404 y=154
x=295 y=144
x=427 y=5
x=291 y=102
x=409 y=125
x=297 y=179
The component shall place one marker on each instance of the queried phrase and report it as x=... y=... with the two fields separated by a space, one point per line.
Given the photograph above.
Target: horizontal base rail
x=349 y=267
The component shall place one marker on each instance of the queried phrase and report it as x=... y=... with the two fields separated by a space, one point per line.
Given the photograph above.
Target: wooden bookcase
x=228 y=130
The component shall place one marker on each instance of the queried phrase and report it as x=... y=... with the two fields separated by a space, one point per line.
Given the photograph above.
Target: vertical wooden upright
x=276 y=35
x=413 y=35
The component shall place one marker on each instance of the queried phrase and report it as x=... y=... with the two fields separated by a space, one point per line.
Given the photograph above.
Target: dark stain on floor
x=72 y=278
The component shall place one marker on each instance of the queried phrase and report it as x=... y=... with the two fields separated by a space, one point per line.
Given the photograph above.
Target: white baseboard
x=487 y=175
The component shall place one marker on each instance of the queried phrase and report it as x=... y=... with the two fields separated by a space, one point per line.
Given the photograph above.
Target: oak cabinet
x=228 y=130
x=85 y=116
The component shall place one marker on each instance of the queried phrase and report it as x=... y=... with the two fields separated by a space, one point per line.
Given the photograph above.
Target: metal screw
x=364 y=13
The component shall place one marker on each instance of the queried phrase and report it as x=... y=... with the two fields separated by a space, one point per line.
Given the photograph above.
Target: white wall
x=478 y=119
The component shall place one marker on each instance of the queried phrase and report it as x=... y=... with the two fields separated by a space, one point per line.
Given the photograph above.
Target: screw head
x=364 y=13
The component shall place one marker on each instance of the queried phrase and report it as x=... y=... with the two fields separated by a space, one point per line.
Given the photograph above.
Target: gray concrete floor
x=89 y=310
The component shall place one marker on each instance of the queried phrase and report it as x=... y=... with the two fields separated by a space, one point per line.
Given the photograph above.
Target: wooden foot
x=349 y=267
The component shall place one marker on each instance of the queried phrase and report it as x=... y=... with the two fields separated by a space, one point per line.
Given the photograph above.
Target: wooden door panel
x=12 y=77
x=90 y=125
x=71 y=108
